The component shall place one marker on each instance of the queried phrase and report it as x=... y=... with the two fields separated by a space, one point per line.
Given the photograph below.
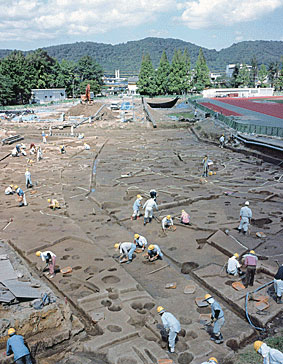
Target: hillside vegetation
x=127 y=56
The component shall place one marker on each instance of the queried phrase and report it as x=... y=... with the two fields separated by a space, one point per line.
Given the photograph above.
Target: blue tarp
x=126 y=106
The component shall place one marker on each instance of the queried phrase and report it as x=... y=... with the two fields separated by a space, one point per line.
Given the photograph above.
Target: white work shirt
x=141 y=241
x=246 y=212
x=233 y=265
x=8 y=190
x=44 y=255
x=125 y=247
x=165 y=221
x=27 y=174
x=150 y=204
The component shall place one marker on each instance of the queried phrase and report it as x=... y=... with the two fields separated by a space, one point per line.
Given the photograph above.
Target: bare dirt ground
x=96 y=189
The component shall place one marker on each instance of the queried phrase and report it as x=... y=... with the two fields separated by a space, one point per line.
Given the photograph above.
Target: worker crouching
x=140 y=241
x=171 y=325
x=154 y=252
x=53 y=204
x=270 y=356
x=167 y=222
x=217 y=319
x=126 y=250
x=233 y=266
x=16 y=346
x=21 y=196
x=50 y=259
x=211 y=360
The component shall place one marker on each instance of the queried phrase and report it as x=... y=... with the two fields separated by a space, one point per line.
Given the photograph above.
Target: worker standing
x=140 y=241
x=72 y=130
x=205 y=166
x=217 y=317
x=28 y=178
x=50 y=130
x=136 y=207
x=245 y=218
x=221 y=141
x=233 y=266
x=16 y=345
x=270 y=356
x=154 y=252
x=43 y=137
x=278 y=284
x=171 y=325
x=167 y=222
x=126 y=250
x=211 y=360
x=38 y=154
x=49 y=258
x=149 y=206
x=250 y=262
x=21 y=196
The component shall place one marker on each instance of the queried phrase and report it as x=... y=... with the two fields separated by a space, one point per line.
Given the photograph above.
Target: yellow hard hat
x=27 y=169
x=210 y=173
x=183 y=210
x=207 y=296
x=16 y=187
x=11 y=331
x=151 y=247
x=160 y=308
x=236 y=255
x=168 y=217
x=11 y=186
x=49 y=200
x=137 y=236
x=116 y=246
x=139 y=196
x=252 y=251
x=38 y=253
x=61 y=146
x=257 y=345
x=213 y=359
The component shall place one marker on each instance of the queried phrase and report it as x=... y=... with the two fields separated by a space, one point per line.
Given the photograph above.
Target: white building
x=237 y=92
x=132 y=85
x=231 y=67
x=45 y=95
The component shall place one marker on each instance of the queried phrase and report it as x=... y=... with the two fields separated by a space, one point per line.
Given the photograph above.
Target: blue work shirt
x=157 y=250
x=20 y=192
x=16 y=345
x=216 y=307
x=137 y=205
x=170 y=322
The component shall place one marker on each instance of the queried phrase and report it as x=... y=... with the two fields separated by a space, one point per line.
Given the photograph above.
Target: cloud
x=47 y=19
x=199 y=14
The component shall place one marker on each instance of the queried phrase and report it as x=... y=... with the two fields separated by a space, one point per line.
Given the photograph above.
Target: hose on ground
x=246 y=306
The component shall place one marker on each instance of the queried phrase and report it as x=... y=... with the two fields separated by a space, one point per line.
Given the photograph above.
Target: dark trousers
x=24 y=360
x=250 y=275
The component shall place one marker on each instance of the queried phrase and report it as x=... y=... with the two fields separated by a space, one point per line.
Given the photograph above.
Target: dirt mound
x=85 y=110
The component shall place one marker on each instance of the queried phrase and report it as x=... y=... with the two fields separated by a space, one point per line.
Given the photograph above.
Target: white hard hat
x=247 y=203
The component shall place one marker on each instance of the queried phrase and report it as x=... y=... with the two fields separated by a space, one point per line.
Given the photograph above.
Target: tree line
x=19 y=74
x=175 y=78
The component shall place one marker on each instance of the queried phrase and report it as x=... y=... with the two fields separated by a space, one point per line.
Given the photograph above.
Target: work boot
x=244 y=232
x=279 y=300
x=144 y=221
x=239 y=230
x=134 y=217
x=213 y=337
x=219 y=339
x=150 y=219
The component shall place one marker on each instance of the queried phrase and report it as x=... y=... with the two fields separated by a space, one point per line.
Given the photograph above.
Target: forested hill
x=127 y=56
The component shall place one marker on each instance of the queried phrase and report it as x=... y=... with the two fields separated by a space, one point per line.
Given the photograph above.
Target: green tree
x=279 y=80
x=201 y=78
x=253 y=72
x=88 y=69
x=67 y=77
x=42 y=69
x=273 y=69
x=15 y=68
x=234 y=78
x=179 y=76
x=6 y=90
x=147 y=77
x=95 y=87
x=162 y=75
x=243 y=77
x=262 y=76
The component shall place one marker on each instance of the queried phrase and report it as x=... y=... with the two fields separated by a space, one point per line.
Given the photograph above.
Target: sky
x=214 y=24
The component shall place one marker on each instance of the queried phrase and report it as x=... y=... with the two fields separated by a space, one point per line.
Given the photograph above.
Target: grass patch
x=278 y=101
x=187 y=115
x=251 y=357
